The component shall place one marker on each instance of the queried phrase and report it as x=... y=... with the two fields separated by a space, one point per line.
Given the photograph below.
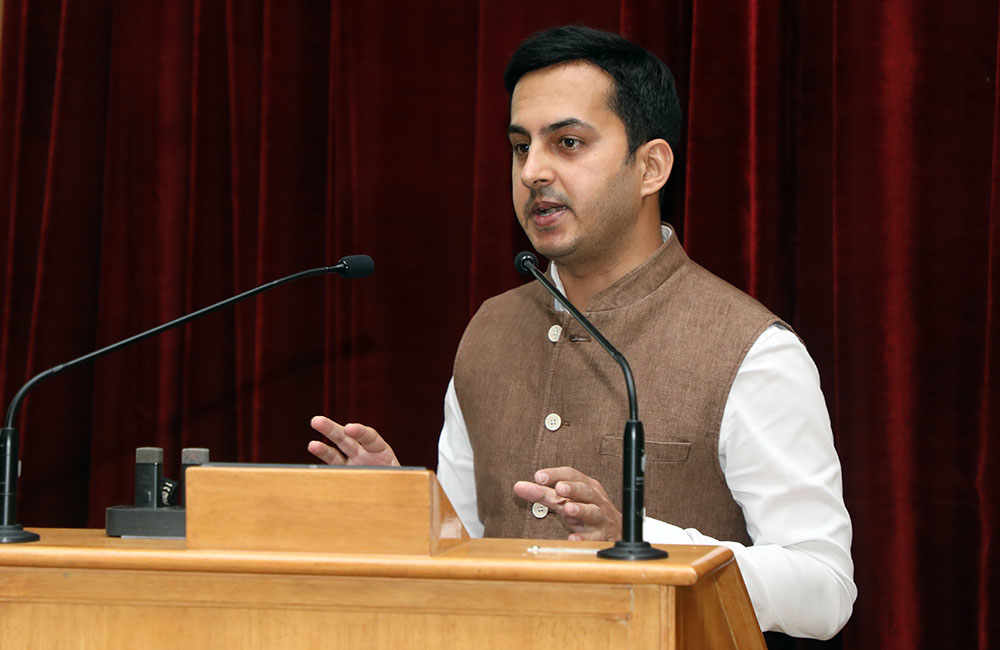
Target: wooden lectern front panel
x=110 y=610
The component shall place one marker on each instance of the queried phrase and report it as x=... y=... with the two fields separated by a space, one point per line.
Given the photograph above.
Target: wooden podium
x=355 y=559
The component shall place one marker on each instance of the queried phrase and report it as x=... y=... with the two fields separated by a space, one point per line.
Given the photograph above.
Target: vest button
x=539 y=510
x=553 y=421
x=554 y=333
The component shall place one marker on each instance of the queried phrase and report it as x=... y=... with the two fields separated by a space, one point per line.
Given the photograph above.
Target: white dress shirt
x=776 y=450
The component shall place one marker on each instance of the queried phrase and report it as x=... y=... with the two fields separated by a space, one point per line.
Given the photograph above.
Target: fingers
x=326 y=453
x=583 y=514
x=580 y=501
x=580 y=491
x=366 y=437
x=571 y=484
x=536 y=493
x=590 y=535
x=560 y=496
x=336 y=434
x=353 y=444
x=529 y=491
x=552 y=475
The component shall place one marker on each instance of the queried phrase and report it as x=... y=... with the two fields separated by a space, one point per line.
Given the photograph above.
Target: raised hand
x=353 y=444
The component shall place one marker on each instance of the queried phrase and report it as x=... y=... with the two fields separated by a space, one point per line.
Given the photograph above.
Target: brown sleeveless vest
x=685 y=333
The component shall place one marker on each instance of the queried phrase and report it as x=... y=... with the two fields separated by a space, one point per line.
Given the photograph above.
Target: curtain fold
x=987 y=483
x=839 y=163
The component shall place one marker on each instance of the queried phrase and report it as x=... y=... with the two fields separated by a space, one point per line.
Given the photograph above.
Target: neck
x=583 y=281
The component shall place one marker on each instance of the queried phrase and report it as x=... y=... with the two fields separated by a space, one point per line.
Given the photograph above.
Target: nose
x=537 y=168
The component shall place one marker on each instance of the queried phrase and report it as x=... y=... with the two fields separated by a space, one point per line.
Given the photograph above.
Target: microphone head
x=522 y=260
x=356 y=266
x=194 y=456
x=148 y=455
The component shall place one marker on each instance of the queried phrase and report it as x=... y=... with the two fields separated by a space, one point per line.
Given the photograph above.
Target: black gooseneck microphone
x=351 y=266
x=631 y=546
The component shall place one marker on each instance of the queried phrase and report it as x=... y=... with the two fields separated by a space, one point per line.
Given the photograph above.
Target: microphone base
x=15 y=534
x=139 y=521
x=632 y=551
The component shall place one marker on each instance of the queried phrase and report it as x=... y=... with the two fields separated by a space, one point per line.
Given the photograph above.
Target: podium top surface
x=480 y=559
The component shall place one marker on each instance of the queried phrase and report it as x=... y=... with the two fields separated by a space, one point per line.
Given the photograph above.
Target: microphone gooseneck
x=631 y=546
x=527 y=263
x=350 y=266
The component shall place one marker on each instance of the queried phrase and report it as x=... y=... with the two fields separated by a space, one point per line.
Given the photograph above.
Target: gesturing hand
x=353 y=444
x=579 y=500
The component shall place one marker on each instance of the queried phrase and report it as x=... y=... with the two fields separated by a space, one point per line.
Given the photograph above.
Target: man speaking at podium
x=739 y=450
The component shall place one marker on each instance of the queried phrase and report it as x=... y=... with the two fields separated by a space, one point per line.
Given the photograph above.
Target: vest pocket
x=656 y=452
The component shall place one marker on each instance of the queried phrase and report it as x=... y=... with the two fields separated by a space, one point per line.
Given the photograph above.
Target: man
x=739 y=448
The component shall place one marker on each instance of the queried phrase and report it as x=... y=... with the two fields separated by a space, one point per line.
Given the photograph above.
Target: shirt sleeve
x=776 y=449
x=456 y=472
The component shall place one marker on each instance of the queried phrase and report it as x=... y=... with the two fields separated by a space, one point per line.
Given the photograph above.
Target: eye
x=571 y=143
x=519 y=148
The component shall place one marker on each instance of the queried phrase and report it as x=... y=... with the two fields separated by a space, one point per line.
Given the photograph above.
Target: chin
x=552 y=243
x=554 y=252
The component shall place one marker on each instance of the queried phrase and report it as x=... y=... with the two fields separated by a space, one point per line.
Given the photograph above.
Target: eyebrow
x=555 y=126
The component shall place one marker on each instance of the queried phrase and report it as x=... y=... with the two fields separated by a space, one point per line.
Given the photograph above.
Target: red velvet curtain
x=841 y=162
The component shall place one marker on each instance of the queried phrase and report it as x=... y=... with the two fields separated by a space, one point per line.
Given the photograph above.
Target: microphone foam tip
x=357 y=266
x=194 y=456
x=522 y=260
x=149 y=454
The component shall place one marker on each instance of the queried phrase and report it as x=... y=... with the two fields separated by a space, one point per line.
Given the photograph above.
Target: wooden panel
x=670 y=619
x=51 y=608
x=276 y=591
x=650 y=628
x=709 y=618
x=373 y=511
x=170 y=628
x=739 y=612
x=447 y=530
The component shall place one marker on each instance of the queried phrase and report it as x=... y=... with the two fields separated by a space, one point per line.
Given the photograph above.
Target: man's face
x=574 y=194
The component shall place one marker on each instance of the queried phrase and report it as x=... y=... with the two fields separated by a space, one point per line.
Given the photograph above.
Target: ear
x=658 y=161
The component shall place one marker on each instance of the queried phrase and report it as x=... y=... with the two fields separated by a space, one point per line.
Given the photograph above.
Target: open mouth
x=546 y=213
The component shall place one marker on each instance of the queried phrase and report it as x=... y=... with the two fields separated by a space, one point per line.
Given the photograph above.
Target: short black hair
x=644 y=95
